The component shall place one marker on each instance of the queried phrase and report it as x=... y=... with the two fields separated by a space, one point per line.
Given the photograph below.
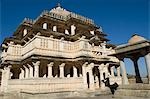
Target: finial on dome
x=58 y=5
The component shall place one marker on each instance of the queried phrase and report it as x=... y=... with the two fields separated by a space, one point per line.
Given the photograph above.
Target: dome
x=136 y=38
x=60 y=11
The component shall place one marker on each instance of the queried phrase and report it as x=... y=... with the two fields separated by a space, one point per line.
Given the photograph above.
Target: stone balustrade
x=65 y=18
x=54 y=47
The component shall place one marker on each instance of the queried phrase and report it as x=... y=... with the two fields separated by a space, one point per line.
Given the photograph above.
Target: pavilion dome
x=60 y=11
x=136 y=38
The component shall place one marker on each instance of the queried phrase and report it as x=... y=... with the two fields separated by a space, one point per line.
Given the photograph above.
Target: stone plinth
x=45 y=85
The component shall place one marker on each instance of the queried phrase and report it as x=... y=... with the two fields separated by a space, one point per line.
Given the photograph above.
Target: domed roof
x=136 y=38
x=59 y=10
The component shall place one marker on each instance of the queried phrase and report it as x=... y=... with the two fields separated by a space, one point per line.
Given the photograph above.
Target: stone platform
x=57 y=95
x=136 y=90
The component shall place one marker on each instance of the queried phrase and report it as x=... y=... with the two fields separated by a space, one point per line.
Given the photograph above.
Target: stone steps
x=137 y=90
x=57 y=95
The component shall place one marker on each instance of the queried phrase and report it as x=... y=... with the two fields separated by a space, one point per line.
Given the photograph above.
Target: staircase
x=136 y=90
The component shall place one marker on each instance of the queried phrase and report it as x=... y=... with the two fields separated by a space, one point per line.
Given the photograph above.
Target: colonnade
x=137 y=73
x=28 y=71
x=33 y=72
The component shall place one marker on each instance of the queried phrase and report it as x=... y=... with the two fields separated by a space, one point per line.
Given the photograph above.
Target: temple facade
x=58 y=51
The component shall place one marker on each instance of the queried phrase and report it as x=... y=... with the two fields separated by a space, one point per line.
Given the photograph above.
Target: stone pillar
x=112 y=71
x=91 y=77
x=21 y=76
x=147 y=61
x=137 y=72
x=96 y=82
x=84 y=74
x=50 y=69
x=124 y=74
x=5 y=78
x=61 y=67
x=118 y=71
x=26 y=72
x=101 y=76
x=75 y=72
x=36 y=69
x=30 y=71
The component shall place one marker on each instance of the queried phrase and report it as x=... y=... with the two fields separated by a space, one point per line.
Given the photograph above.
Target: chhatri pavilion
x=61 y=51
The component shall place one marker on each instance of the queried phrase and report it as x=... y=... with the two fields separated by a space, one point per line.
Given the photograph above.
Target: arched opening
x=78 y=72
x=25 y=31
x=55 y=28
x=44 y=25
x=96 y=74
x=71 y=72
x=104 y=75
x=130 y=70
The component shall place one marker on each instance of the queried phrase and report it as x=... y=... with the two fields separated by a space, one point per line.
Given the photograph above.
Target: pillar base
x=92 y=87
x=138 y=80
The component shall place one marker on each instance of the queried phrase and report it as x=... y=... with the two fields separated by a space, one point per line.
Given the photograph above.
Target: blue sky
x=120 y=19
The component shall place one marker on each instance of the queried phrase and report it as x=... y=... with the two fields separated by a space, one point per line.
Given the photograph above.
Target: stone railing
x=48 y=46
x=45 y=85
x=65 y=18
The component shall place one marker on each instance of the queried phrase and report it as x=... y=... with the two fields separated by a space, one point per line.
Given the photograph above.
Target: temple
x=64 y=51
x=58 y=51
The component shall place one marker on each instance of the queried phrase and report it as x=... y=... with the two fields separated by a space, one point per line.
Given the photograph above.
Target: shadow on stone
x=112 y=87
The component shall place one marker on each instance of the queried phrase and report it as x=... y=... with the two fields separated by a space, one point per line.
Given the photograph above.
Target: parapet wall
x=45 y=85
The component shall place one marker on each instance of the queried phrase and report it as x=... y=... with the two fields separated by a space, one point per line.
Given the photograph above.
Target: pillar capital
x=36 y=63
x=50 y=64
x=101 y=66
x=29 y=65
x=62 y=65
x=24 y=66
x=21 y=69
x=91 y=65
x=8 y=67
x=85 y=64
x=134 y=59
x=121 y=59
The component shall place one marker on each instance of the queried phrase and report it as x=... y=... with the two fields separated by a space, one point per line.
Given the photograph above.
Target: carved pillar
x=118 y=71
x=21 y=75
x=84 y=74
x=101 y=76
x=96 y=82
x=5 y=78
x=50 y=69
x=147 y=61
x=61 y=67
x=26 y=72
x=91 y=77
x=36 y=69
x=30 y=71
x=112 y=71
x=124 y=74
x=75 y=72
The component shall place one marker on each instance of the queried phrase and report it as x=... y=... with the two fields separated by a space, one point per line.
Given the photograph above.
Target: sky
x=120 y=19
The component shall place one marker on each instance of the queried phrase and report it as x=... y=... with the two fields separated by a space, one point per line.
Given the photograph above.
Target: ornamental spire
x=58 y=5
